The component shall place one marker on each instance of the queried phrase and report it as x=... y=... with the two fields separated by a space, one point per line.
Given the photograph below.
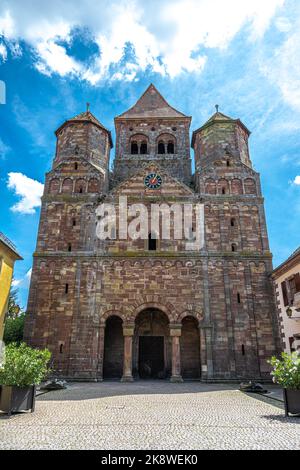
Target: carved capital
x=175 y=329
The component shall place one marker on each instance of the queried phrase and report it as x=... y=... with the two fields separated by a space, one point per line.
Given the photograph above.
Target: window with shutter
x=297 y=282
x=291 y=290
x=284 y=293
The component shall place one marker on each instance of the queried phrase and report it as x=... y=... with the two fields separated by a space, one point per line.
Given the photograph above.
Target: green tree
x=13 y=308
x=14 y=319
x=13 y=329
x=24 y=366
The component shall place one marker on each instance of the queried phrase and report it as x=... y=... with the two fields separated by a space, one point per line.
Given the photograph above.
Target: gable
x=83 y=166
x=152 y=104
x=135 y=185
x=220 y=165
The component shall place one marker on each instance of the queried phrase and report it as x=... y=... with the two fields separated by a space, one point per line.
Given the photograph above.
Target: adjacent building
x=8 y=256
x=287 y=289
x=151 y=308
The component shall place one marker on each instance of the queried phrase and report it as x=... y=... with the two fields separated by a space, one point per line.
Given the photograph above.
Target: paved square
x=150 y=415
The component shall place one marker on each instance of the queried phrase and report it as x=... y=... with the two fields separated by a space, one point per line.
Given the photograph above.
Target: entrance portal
x=151 y=357
x=190 y=349
x=113 y=349
x=152 y=345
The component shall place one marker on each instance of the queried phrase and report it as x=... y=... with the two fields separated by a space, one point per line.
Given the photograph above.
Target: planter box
x=291 y=401
x=16 y=399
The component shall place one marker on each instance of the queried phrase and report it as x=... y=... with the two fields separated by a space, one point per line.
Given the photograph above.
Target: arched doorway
x=152 y=345
x=190 y=349
x=113 y=348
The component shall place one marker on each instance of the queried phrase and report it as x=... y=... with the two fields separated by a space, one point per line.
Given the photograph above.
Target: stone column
x=128 y=332
x=203 y=358
x=101 y=337
x=175 y=333
x=207 y=322
x=206 y=339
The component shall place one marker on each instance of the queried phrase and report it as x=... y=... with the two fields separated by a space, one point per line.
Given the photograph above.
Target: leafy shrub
x=24 y=366
x=286 y=371
x=13 y=329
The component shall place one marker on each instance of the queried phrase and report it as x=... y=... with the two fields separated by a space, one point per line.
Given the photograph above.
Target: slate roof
x=9 y=245
x=86 y=116
x=283 y=266
x=152 y=105
x=218 y=117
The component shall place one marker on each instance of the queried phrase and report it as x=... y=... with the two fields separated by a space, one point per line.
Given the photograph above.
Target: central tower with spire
x=152 y=130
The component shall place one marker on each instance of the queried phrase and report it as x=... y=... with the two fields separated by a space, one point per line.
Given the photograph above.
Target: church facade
x=150 y=308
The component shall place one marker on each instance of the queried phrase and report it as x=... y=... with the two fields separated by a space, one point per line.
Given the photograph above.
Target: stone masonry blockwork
x=114 y=309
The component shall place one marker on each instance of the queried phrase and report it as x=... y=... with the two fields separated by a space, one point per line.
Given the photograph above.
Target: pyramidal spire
x=152 y=104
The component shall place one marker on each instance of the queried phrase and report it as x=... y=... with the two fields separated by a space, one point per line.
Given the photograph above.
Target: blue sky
x=56 y=56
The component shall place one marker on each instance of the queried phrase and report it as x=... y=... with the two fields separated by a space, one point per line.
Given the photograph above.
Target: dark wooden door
x=151 y=357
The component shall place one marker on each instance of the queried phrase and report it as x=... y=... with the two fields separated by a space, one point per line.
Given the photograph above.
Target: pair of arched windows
x=165 y=147
x=139 y=145
x=139 y=148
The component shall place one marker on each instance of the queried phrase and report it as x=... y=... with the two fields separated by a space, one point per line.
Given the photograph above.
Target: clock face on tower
x=153 y=181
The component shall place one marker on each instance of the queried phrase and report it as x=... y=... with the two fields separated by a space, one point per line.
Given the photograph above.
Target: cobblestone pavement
x=151 y=415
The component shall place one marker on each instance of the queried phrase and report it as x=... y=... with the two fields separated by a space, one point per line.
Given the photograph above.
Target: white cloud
x=283 y=67
x=166 y=35
x=16 y=282
x=297 y=180
x=286 y=70
x=24 y=281
x=6 y=24
x=53 y=58
x=283 y=24
x=3 y=52
x=4 y=149
x=28 y=189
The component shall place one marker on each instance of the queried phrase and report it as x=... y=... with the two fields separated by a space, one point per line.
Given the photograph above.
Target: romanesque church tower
x=151 y=308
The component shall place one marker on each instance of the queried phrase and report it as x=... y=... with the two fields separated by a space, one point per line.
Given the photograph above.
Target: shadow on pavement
x=282 y=419
x=89 y=391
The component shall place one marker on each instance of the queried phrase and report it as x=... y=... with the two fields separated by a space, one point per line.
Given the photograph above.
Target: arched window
x=232 y=222
x=151 y=242
x=250 y=186
x=236 y=186
x=161 y=148
x=143 y=149
x=170 y=148
x=54 y=186
x=134 y=148
x=210 y=186
x=93 y=186
x=138 y=144
x=80 y=186
x=223 y=186
x=233 y=248
x=67 y=186
x=166 y=143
